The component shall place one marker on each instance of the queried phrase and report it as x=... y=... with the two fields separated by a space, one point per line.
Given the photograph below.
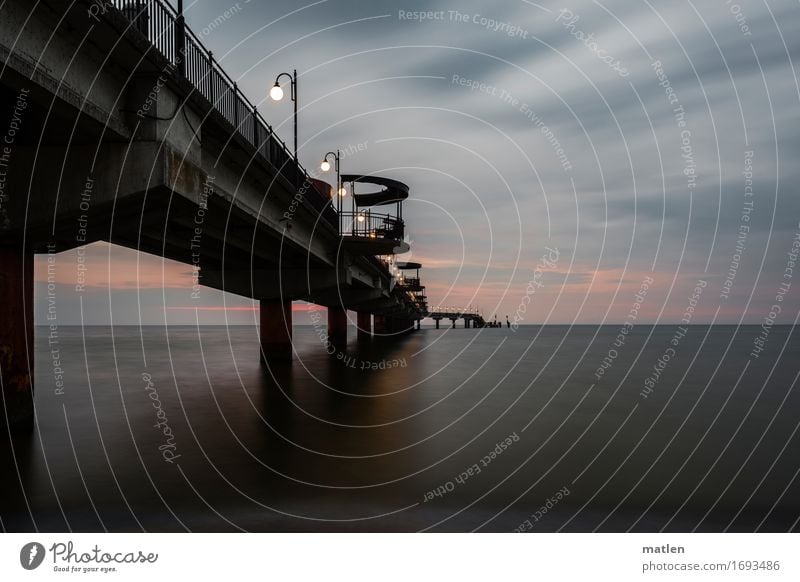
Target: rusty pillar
x=16 y=338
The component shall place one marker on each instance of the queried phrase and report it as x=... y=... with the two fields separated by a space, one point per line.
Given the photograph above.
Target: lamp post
x=325 y=166
x=276 y=93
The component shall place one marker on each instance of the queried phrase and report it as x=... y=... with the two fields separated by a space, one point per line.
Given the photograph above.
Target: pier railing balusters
x=166 y=30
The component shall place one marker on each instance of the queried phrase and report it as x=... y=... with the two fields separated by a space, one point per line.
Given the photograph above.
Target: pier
x=128 y=131
x=471 y=317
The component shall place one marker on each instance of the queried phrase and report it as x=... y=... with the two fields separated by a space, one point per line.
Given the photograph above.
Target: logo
x=31 y=555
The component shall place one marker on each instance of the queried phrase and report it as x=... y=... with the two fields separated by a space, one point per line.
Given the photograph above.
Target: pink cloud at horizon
x=297 y=307
x=579 y=295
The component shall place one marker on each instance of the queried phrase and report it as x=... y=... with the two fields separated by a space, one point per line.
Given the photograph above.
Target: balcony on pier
x=374 y=224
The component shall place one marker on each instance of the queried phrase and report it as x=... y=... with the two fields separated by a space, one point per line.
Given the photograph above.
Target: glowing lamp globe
x=276 y=93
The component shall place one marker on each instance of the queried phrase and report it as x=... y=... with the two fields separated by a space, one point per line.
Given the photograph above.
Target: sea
x=532 y=429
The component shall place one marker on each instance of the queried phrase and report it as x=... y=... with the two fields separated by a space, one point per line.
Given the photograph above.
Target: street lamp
x=276 y=94
x=325 y=166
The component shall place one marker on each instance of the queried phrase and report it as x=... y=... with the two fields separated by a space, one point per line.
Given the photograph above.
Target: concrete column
x=437 y=323
x=276 y=329
x=419 y=324
x=337 y=327
x=16 y=338
x=364 y=324
x=454 y=323
x=380 y=324
x=466 y=323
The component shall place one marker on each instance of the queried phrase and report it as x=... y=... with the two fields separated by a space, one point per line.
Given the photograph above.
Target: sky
x=563 y=158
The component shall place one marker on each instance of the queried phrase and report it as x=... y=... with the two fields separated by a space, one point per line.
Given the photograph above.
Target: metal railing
x=166 y=30
x=367 y=224
x=447 y=312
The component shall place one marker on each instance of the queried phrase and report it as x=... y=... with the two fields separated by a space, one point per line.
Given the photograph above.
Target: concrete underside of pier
x=110 y=143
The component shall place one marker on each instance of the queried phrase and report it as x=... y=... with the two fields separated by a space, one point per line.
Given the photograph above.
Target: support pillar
x=419 y=324
x=364 y=324
x=437 y=323
x=16 y=338
x=276 y=329
x=380 y=324
x=466 y=323
x=337 y=327
x=454 y=323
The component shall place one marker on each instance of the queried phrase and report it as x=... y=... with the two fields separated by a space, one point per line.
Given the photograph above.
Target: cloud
x=489 y=189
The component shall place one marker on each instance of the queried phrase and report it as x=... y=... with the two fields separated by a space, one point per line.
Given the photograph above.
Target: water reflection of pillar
x=399 y=325
x=337 y=326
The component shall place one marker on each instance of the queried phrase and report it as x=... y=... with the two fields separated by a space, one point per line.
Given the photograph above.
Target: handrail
x=165 y=29
x=161 y=24
x=368 y=224
x=448 y=312
x=393 y=190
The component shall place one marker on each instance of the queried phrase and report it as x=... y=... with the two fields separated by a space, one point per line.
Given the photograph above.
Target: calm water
x=321 y=445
